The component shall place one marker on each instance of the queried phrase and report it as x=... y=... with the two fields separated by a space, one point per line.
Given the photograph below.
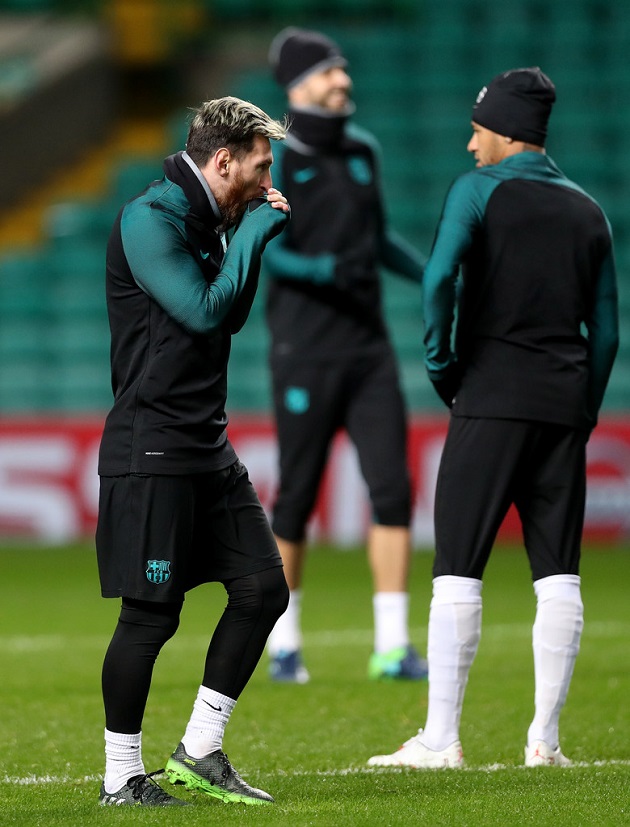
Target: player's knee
x=291 y=527
x=263 y=595
x=392 y=513
x=276 y=591
x=391 y=500
x=291 y=513
x=160 y=620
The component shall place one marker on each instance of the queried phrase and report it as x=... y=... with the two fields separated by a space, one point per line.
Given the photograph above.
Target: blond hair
x=229 y=122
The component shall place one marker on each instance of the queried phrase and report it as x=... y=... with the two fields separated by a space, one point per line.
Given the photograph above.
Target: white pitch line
x=324 y=639
x=41 y=780
x=466 y=768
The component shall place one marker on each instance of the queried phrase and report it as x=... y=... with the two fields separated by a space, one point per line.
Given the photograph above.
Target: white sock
x=556 y=642
x=391 y=615
x=204 y=732
x=286 y=635
x=454 y=633
x=123 y=759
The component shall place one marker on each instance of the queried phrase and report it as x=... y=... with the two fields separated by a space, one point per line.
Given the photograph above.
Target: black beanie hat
x=517 y=104
x=296 y=53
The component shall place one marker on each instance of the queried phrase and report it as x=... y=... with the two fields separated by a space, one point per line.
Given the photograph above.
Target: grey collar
x=204 y=184
x=299 y=146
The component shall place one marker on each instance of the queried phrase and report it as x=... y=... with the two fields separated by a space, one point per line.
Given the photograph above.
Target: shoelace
x=145 y=787
x=229 y=770
x=227 y=767
x=232 y=781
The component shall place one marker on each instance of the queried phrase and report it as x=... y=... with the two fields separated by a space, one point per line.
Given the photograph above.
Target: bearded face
x=234 y=202
x=249 y=178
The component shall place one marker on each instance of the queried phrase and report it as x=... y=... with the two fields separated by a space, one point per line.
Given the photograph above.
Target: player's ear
x=221 y=161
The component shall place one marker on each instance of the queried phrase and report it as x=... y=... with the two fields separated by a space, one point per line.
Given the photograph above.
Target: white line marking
x=41 y=780
x=325 y=639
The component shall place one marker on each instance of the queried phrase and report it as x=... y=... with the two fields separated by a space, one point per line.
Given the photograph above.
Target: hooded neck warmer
x=318 y=127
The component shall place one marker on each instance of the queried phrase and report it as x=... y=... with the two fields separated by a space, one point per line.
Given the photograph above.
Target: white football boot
x=417 y=756
x=540 y=754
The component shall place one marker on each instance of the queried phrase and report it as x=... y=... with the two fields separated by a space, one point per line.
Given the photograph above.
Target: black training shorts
x=488 y=465
x=313 y=400
x=159 y=535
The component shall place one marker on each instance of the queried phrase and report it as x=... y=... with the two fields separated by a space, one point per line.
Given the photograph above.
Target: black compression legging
x=254 y=604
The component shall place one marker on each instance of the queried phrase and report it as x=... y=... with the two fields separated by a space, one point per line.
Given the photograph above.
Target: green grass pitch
x=307 y=745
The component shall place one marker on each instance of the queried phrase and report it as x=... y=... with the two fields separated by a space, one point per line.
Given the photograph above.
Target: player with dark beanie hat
x=296 y=53
x=521 y=323
x=331 y=358
x=517 y=104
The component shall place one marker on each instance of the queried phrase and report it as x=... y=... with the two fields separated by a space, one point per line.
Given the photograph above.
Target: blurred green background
x=93 y=95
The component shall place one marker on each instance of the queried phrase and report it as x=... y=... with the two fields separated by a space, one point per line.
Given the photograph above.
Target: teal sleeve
x=283 y=263
x=161 y=263
x=401 y=257
x=396 y=254
x=603 y=335
x=462 y=214
x=241 y=264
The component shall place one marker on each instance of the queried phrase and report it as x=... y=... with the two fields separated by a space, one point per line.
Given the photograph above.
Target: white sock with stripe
x=123 y=759
x=205 y=729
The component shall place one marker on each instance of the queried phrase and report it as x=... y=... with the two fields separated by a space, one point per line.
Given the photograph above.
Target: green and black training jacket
x=522 y=272
x=324 y=290
x=174 y=299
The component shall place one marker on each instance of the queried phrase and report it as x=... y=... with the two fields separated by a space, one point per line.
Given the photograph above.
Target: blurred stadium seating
x=417 y=67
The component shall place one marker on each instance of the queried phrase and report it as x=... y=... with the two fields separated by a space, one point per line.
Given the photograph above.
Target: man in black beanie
x=331 y=359
x=524 y=385
x=517 y=104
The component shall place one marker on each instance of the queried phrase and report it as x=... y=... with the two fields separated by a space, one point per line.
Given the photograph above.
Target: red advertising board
x=49 y=483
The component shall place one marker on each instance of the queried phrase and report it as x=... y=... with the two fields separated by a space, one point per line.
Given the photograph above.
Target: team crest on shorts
x=158 y=571
x=297 y=400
